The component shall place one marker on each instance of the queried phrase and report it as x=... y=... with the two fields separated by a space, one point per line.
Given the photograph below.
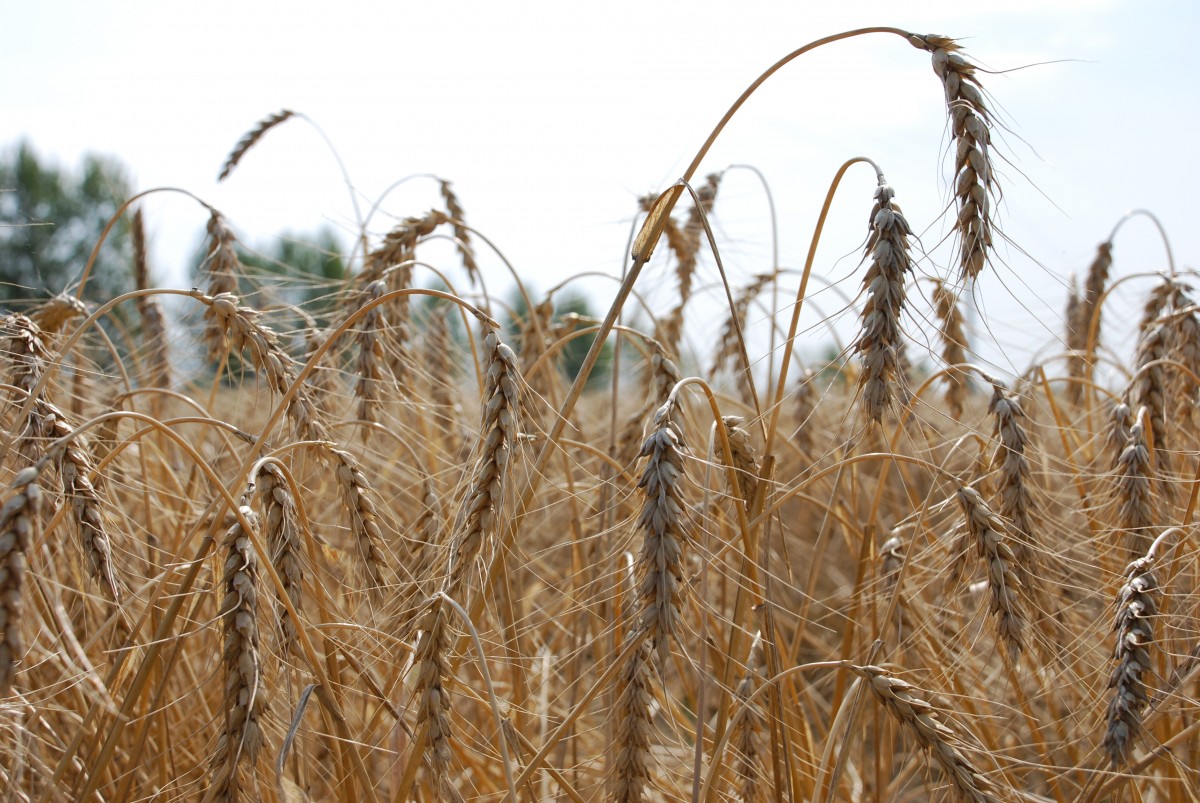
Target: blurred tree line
x=51 y=217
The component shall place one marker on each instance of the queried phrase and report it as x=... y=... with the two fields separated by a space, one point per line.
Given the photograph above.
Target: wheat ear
x=745 y=459
x=880 y=341
x=462 y=236
x=245 y=691
x=748 y=725
x=1085 y=318
x=283 y=543
x=1007 y=604
x=1134 y=489
x=370 y=376
x=478 y=521
x=154 y=326
x=954 y=344
x=920 y=718
x=970 y=125
x=18 y=519
x=54 y=313
x=359 y=502
x=1013 y=489
x=251 y=138
x=1134 y=628
x=433 y=707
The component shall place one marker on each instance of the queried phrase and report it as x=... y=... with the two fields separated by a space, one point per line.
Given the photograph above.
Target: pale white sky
x=552 y=118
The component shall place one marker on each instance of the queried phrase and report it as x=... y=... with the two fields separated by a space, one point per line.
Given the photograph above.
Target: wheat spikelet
x=1085 y=318
x=154 y=326
x=442 y=373
x=631 y=773
x=28 y=357
x=462 y=236
x=921 y=719
x=370 y=375
x=1134 y=488
x=52 y=314
x=433 y=707
x=1183 y=335
x=238 y=327
x=18 y=518
x=745 y=460
x=970 y=124
x=880 y=342
x=749 y=725
x=1150 y=385
x=1007 y=604
x=245 y=691
x=283 y=543
x=1134 y=628
x=954 y=343
x=250 y=139
x=75 y=466
x=359 y=502
x=477 y=522
x=728 y=346
x=664 y=533
x=1016 y=501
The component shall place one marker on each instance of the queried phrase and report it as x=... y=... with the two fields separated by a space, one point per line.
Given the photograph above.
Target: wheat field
x=380 y=546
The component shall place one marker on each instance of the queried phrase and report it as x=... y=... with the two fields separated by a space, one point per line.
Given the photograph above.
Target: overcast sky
x=551 y=120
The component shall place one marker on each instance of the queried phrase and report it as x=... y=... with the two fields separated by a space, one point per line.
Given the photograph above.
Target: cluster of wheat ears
x=261 y=554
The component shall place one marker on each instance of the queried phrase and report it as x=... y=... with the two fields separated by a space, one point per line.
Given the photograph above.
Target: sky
x=553 y=118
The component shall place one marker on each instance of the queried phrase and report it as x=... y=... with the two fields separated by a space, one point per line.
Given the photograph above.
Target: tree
x=570 y=358
x=305 y=270
x=51 y=218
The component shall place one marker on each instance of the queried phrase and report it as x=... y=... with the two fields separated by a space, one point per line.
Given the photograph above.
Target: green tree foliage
x=303 y=270
x=568 y=309
x=51 y=218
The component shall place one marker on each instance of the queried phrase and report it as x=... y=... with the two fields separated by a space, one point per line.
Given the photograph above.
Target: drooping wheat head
x=970 y=126
x=937 y=740
x=251 y=138
x=992 y=546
